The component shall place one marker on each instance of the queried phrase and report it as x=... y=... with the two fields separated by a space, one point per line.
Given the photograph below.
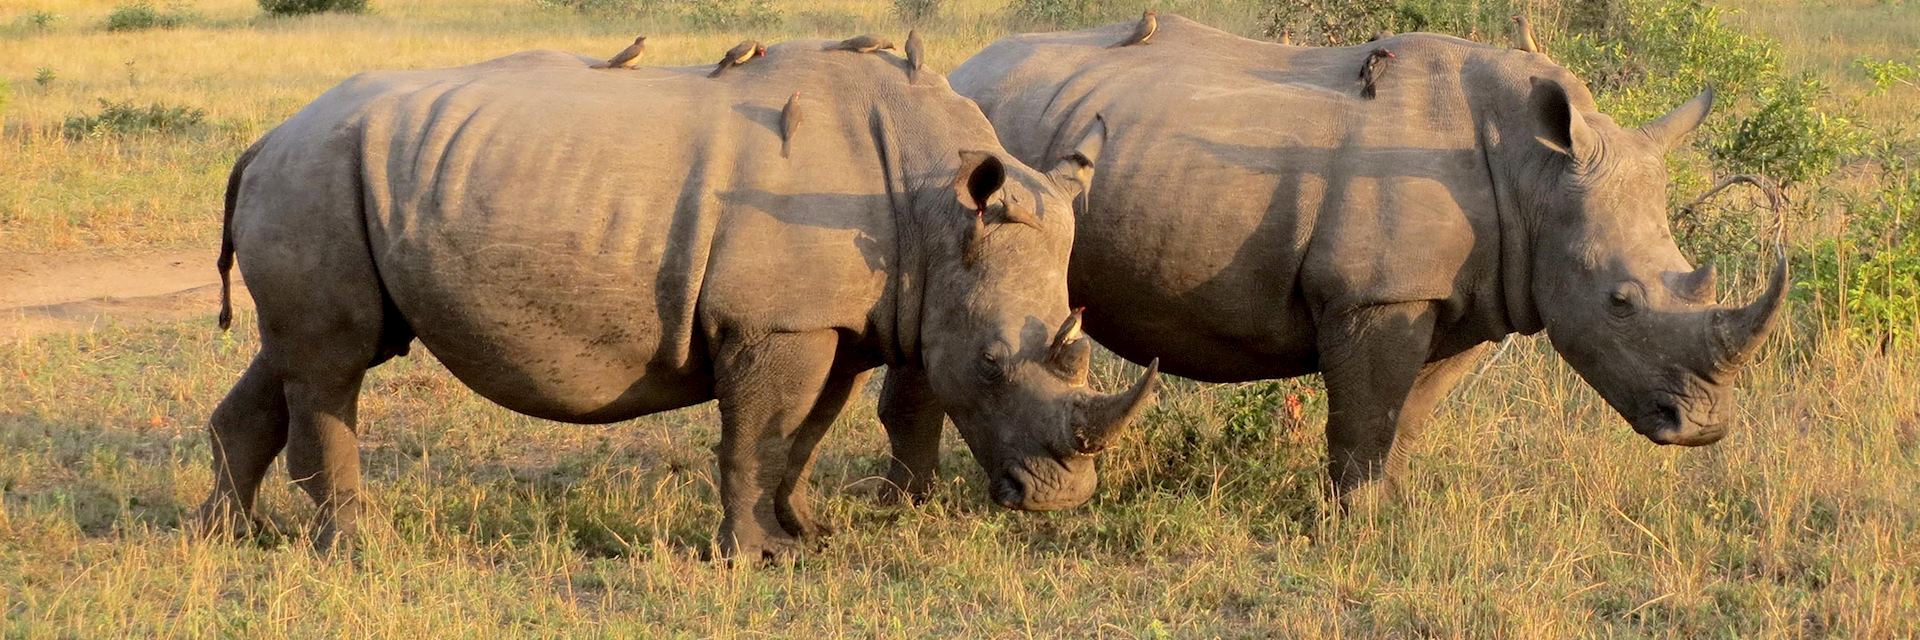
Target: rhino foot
x=220 y=519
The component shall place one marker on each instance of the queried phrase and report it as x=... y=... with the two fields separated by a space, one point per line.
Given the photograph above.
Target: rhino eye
x=989 y=368
x=1624 y=300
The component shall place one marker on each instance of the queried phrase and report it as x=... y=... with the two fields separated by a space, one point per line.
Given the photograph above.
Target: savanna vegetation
x=1532 y=512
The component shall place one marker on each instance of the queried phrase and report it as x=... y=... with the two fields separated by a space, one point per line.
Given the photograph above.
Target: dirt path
x=42 y=294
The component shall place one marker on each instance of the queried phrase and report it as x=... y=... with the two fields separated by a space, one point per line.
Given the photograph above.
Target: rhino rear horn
x=1698 y=285
x=1070 y=355
x=1104 y=418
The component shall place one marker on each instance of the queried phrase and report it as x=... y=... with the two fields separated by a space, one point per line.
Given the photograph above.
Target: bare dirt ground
x=42 y=294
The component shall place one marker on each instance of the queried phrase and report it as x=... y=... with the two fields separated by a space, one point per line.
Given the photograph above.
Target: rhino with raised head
x=587 y=247
x=1252 y=216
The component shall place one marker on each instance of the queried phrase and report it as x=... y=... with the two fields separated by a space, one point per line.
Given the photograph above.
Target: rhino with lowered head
x=589 y=247
x=1252 y=216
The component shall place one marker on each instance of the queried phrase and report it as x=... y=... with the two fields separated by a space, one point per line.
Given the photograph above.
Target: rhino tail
x=225 y=263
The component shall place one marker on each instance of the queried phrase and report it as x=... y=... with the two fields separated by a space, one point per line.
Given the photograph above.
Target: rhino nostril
x=1670 y=413
x=1008 y=491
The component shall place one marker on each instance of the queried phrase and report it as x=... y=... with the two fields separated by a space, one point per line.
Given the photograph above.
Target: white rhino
x=592 y=246
x=1252 y=215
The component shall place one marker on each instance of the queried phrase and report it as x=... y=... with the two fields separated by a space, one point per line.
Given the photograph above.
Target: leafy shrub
x=43 y=20
x=731 y=15
x=1055 y=14
x=1333 y=22
x=705 y=15
x=916 y=11
x=603 y=7
x=123 y=118
x=304 y=7
x=143 y=15
x=1789 y=137
x=44 y=76
x=1870 y=272
x=1886 y=73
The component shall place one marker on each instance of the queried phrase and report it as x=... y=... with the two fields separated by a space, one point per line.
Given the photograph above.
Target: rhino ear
x=981 y=175
x=1669 y=129
x=1561 y=126
x=1074 y=171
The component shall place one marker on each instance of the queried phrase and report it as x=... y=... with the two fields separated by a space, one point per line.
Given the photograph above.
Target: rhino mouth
x=1669 y=423
x=1059 y=484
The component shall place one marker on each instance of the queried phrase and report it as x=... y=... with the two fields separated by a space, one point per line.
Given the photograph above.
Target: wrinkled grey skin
x=591 y=248
x=1252 y=218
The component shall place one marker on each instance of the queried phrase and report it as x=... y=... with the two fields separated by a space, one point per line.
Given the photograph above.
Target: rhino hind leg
x=778 y=393
x=324 y=320
x=913 y=423
x=1436 y=379
x=1371 y=358
x=247 y=431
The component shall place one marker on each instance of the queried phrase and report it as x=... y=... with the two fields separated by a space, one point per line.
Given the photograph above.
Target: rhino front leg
x=1370 y=357
x=768 y=389
x=913 y=424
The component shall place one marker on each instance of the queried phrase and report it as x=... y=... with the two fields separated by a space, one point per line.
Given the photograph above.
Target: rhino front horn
x=1739 y=331
x=1104 y=418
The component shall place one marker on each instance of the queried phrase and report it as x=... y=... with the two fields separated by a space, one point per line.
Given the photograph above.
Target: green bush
x=304 y=7
x=731 y=15
x=1789 y=137
x=916 y=11
x=143 y=15
x=1338 y=22
x=123 y=118
x=1055 y=14
x=604 y=7
x=1870 y=272
x=700 y=15
x=1887 y=73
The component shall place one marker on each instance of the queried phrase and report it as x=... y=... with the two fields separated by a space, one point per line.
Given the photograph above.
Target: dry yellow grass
x=1534 y=511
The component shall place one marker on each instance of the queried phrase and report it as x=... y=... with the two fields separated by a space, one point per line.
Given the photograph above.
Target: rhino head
x=1617 y=299
x=1004 y=356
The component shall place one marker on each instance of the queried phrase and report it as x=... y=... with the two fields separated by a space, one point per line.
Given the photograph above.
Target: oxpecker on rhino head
x=1634 y=317
x=1005 y=357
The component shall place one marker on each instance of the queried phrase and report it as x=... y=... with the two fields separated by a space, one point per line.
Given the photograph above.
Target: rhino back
x=1247 y=188
x=565 y=240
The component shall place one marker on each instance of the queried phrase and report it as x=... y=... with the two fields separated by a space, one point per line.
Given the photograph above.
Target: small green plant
x=1885 y=74
x=731 y=15
x=43 y=20
x=124 y=118
x=916 y=11
x=305 y=7
x=143 y=15
x=6 y=96
x=44 y=76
